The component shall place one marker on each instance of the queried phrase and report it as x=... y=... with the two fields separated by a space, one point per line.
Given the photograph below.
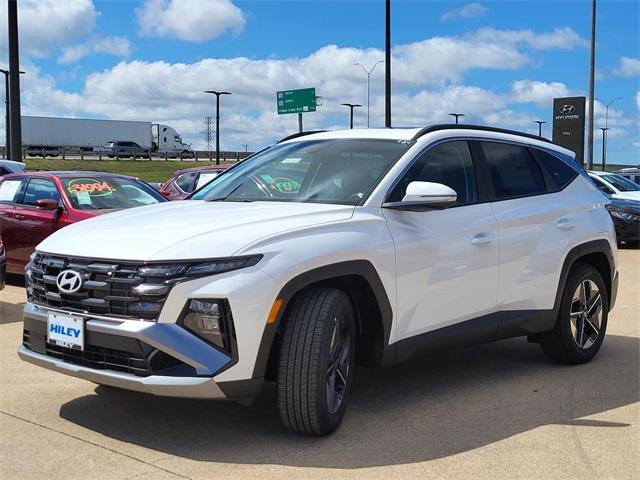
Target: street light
x=7 y=127
x=540 y=123
x=457 y=115
x=351 y=107
x=605 y=129
x=604 y=145
x=369 y=72
x=217 y=94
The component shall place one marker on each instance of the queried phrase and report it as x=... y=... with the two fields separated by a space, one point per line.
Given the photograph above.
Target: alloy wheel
x=586 y=314
x=339 y=364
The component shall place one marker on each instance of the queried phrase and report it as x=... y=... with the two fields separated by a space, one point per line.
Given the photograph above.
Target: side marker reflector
x=275 y=310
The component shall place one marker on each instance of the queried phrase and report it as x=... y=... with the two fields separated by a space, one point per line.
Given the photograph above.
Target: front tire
x=316 y=361
x=582 y=321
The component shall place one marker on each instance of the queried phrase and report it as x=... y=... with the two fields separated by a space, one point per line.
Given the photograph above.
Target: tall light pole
x=351 y=107
x=387 y=67
x=606 y=129
x=14 y=81
x=369 y=72
x=592 y=67
x=7 y=126
x=217 y=94
x=457 y=115
x=540 y=123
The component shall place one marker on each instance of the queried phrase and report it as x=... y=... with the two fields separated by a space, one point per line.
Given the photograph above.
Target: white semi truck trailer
x=51 y=134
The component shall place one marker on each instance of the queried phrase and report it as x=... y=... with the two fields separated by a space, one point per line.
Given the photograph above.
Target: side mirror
x=424 y=196
x=47 y=204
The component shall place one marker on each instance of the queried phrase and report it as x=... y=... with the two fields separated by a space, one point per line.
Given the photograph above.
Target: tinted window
x=603 y=187
x=514 y=172
x=621 y=183
x=9 y=190
x=561 y=173
x=105 y=193
x=450 y=164
x=40 y=189
x=3 y=171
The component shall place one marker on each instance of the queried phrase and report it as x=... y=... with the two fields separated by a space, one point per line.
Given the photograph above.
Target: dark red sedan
x=186 y=181
x=34 y=205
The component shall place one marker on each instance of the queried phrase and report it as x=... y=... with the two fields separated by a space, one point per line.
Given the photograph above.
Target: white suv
x=325 y=251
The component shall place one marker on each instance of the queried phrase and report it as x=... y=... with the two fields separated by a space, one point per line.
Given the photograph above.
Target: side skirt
x=488 y=328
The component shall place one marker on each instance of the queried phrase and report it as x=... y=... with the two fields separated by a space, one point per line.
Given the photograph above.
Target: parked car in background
x=615 y=185
x=3 y=266
x=125 y=149
x=632 y=173
x=9 y=166
x=626 y=218
x=34 y=205
x=187 y=180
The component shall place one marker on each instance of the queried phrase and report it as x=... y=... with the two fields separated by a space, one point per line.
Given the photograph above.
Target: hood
x=187 y=229
x=627 y=195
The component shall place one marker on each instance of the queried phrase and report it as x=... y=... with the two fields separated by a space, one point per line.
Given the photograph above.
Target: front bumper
x=187 y=368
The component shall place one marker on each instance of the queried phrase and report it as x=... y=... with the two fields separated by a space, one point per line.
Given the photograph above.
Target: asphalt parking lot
x=498 y=410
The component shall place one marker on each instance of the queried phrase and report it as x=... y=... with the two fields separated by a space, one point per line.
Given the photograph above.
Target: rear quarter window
x=560 y=173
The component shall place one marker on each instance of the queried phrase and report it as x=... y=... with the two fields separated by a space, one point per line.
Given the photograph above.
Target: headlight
x=209 y=320
x=625 y=215
x=190 y=269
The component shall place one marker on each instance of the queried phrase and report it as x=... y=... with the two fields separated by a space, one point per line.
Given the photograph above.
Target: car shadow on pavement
x=430 y=407
x=11 y=312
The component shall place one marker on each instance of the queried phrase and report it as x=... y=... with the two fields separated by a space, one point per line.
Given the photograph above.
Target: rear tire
x=582 y=321
x=316 y=361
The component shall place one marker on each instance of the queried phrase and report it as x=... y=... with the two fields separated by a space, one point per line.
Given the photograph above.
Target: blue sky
x=499 y=62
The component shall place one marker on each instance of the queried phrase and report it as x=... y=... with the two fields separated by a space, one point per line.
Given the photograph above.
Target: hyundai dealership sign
x=568 y=124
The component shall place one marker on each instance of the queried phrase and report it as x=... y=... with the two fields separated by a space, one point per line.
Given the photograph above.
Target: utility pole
x=387 y=65
x=457 y=115
x=246 y=147
x=369 y=72
x=351 y=107
x=592 y=67
x=217 y=94
x=207 y=132
x=540 y=123
x=14 y=82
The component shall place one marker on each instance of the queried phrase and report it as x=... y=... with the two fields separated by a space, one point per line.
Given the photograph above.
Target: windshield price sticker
x=91 y=187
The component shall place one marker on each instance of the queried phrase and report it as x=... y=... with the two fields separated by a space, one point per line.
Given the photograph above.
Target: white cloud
x=628 y=67
x=470 y=10
x=191 y=20
x=563 y=38
x=114 y=45
x=541 y=93
x=46 y=24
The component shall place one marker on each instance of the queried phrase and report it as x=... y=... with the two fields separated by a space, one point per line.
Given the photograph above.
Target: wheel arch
x=374 y=316
x=597 y=253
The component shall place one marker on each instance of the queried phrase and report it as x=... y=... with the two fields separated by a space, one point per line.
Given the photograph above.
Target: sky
x=499 y=62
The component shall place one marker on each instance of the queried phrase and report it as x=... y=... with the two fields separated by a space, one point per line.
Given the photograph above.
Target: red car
x=34 y=205
x=186 y=181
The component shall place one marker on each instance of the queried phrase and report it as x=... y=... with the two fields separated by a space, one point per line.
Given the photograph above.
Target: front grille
x=132 y=356
x=122 y=290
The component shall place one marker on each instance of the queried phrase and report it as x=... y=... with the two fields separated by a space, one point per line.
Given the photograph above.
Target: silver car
x=124 y=148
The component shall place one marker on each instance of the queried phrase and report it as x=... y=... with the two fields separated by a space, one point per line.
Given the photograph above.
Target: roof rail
x=483 y=128
x=300 y=134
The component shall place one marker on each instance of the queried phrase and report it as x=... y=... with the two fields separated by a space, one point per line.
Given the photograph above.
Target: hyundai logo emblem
x=567 y=109
x=69 y=281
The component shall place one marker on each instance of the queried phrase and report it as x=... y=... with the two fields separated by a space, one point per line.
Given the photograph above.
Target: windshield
x=621 y=183
x=102 y=192
x=318 y=171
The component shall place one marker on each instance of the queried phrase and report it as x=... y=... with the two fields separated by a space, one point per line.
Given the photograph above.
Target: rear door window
x=10 y=190
x=514 y=172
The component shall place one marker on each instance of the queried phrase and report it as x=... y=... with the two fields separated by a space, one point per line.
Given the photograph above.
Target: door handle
x=19 y=217
x=482 y=238
x=566 y=223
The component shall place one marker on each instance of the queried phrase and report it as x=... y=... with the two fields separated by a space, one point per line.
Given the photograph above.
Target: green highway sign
x=297 y=101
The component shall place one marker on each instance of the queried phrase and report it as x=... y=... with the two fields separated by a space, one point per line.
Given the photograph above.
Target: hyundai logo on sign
x=69 y=281
x=567 y=112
